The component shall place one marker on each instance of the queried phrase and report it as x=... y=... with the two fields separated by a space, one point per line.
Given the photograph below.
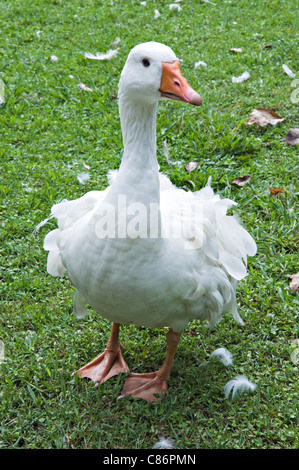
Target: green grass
x=49 y=128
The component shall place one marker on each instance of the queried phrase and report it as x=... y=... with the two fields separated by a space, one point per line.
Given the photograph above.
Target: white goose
x=143 y=251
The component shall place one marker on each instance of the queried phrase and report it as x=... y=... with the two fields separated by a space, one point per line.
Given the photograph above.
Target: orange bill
x=174 y=86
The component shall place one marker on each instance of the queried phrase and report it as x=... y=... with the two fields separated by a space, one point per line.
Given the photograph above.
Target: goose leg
x=107 y=364
x=146 y=385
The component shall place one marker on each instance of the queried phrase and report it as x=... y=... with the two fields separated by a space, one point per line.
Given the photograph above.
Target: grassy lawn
x=51 y=130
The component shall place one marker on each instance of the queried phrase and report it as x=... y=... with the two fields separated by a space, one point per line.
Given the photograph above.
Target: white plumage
x=223 y=355
x=164 y=443
x=101 y=56
x=143 y=251
x=238 y=385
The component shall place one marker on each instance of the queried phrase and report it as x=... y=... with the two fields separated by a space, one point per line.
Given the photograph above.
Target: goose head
x=152 y=72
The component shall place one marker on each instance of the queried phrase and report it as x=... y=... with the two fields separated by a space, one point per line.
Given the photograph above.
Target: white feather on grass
x=116 y=42
x=288 y=71
x=223 y=355
x=174 y=6
x=239 y=384
x=2 y=353
x=200 y=63
x=166 y=153
x=2 y=91
x=107 y=56
x=164 y=444
x=241 y=78
x=83 y=177
x=42 y=223
x=45 y=221
x=83 y=87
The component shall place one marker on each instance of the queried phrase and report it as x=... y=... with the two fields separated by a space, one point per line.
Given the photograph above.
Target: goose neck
x=138 y=176
x=138 y=124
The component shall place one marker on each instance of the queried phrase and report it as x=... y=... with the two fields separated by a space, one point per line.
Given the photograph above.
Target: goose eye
x=146 y=62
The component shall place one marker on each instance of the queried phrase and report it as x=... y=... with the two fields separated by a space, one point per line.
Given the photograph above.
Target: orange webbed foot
x=103 y=367
x=145 y=386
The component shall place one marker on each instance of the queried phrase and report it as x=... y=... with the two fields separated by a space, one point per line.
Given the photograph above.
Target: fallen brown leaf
x=275 y=191
x=241 y=180
x=192 y=332
x=31 y=96
x=263 y=116
x=294 y=284
x=191 y=166
x=292 y=137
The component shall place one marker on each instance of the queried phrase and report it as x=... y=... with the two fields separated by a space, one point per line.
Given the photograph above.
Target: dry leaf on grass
x=275 y=191
x=236 y=50
x=294 y=284
x=241 y=180
x=31 y=96
x=191 y=166
x=292 y=137
x=264 y=116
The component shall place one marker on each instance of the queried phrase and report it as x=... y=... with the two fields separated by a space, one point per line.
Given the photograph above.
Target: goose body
x=143 y=251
